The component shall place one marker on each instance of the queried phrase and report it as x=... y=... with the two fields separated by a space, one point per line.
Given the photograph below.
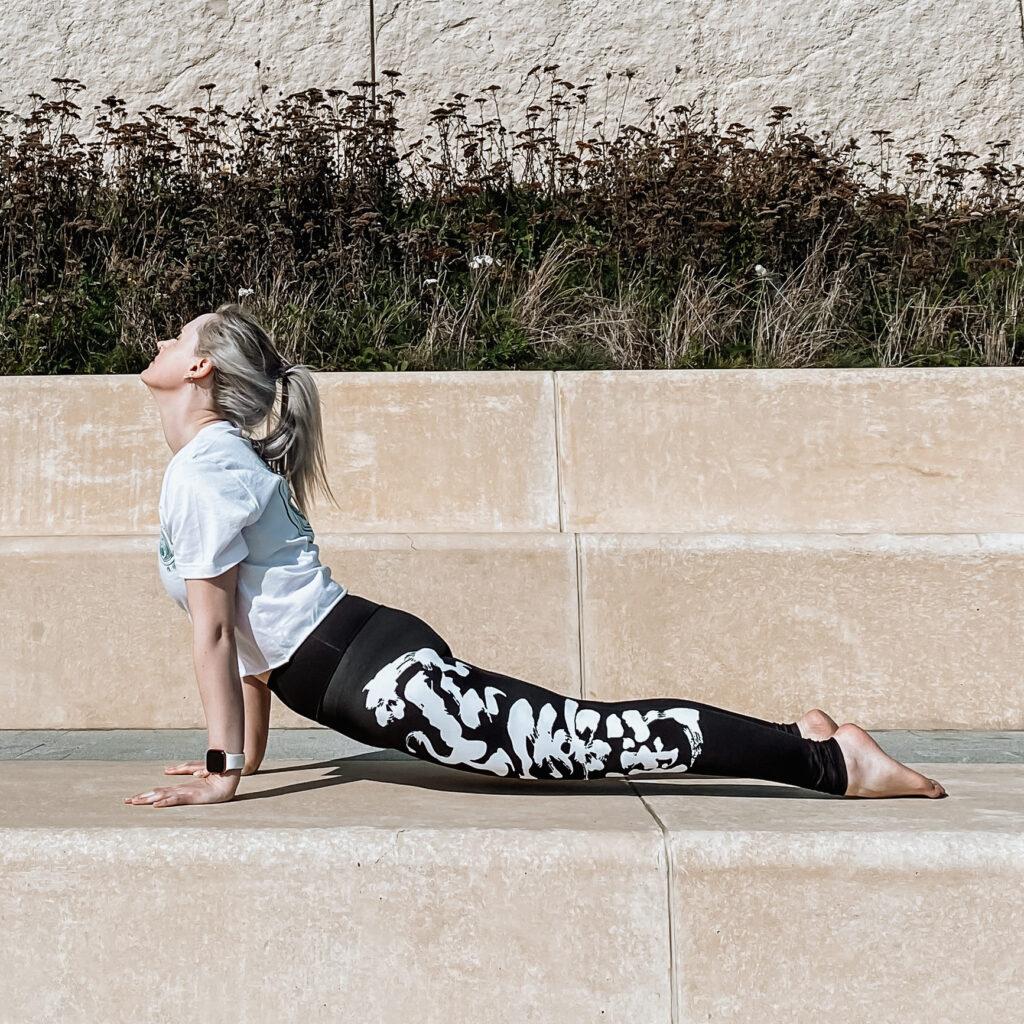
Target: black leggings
x=385 y=678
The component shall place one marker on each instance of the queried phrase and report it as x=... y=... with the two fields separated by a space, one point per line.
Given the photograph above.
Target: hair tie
x=283 y=370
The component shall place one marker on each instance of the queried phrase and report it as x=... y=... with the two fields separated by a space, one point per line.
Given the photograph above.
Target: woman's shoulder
x=236 y=464
x=209 y=471
x=227 y=463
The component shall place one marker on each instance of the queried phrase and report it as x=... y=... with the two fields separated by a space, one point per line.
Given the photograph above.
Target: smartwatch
x=220 y=761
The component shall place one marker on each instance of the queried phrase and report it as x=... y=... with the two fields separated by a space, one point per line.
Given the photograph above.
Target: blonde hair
x=247 y=367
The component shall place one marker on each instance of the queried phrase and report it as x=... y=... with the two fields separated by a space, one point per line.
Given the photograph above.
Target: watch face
x=215 y=760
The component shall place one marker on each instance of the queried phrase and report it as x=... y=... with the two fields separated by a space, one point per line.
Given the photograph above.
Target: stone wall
x=765 y=541
x=915 y=68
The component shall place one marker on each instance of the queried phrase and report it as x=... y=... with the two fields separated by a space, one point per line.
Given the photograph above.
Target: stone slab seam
x=579 y=618
x=558 y=455
x=575 y=536
x=670 y=878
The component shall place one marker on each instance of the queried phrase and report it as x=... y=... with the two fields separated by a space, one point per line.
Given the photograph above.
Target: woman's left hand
x=213 y=789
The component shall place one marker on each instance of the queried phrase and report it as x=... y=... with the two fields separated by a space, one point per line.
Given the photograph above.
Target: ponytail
x=247 y=368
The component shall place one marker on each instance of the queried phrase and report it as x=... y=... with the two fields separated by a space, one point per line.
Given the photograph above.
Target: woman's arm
x=256 y=697
x=211 y=604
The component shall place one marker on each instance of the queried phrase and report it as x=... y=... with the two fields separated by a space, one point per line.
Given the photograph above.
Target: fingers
x=196 y=768
x=152 y=796
x=208 y=790
x=160 y=797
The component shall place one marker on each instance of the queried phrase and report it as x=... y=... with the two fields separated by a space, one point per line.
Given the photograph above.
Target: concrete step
x=608 y=534
x=848 y=450
x=394 y=890
x=889 y=631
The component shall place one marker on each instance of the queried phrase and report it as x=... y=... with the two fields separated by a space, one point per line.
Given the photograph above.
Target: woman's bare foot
x=816 y=725
x=872 y=772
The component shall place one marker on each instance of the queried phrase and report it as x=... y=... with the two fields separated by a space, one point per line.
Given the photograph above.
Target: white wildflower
x=243 y=292
x=484 y=259
x=430 y=280
x=760 y=270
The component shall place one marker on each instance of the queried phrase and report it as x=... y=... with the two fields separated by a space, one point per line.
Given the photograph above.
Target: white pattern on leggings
x=414 y=674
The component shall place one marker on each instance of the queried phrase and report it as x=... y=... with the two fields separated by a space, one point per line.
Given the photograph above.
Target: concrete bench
x=399 y=891
x=767 y=541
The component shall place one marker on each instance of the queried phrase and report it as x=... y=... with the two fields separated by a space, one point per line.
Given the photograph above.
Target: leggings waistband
x=301 y=681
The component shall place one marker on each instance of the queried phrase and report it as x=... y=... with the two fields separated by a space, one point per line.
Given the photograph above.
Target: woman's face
x=175 y=358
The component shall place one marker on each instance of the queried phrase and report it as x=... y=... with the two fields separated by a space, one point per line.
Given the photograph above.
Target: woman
x=238 y=554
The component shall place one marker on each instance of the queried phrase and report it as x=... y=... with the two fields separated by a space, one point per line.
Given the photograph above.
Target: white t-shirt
x=221 y=505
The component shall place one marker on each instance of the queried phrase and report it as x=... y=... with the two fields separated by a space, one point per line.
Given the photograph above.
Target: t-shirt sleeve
x=207 y=507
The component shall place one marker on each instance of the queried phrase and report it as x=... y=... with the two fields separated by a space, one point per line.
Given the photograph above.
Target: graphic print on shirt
x=456 y=726
x=294 y=514
x=166 y=551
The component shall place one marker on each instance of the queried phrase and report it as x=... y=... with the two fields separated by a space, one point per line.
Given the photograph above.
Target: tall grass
x=559 y=245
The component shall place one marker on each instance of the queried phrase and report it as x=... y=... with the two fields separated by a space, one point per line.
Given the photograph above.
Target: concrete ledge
x=466 y=452
x=590 y=531
x=889 y=631
x=92 y=640
x=415 y=892
x=369 y=891
x=898 y=910
x=901 y=449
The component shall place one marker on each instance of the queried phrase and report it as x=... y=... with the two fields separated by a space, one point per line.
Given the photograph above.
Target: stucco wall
x=915 y=67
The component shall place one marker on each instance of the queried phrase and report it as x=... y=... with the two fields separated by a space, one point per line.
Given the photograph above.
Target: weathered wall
x=762 y=540
x=916 y=68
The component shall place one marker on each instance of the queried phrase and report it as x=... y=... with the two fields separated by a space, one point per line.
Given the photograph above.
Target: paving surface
x=390 y=884
x=909 y=746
